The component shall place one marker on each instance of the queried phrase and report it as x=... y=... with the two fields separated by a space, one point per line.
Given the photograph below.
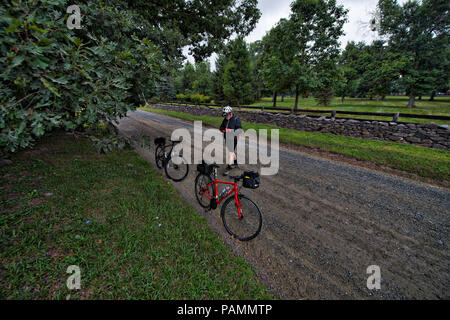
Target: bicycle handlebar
x=237 y=178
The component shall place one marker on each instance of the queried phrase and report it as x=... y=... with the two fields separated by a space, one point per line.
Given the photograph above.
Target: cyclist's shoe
x=227 y=170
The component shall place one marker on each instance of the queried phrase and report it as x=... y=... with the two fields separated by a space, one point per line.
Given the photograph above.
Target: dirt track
x=325 y=222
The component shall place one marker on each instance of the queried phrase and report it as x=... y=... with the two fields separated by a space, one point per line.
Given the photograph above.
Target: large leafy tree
x=302 y=51
x=350 y=69
x=319 y=24
x=276 y=60
x=383 y=70
x=419 y=32
x=55 y=77
x=369 y=70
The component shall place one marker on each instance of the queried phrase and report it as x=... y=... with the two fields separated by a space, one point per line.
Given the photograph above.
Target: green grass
x=426 y=162
x=48 y=195
x=441 y=106
x=392 y=104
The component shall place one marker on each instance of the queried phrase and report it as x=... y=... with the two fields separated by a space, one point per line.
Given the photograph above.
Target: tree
x=188 y=76
x=383 y=69
x=418 y=31
x=440 y=64
x=301 y=51
x=318 y=25
x=256 y=53
x=203 y=79
x=349 y=70
x=55 y=77
x=221 y=61
x=237 y=76
x=275 y=60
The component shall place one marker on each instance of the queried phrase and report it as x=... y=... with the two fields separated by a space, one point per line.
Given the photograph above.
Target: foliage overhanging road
x=325 y=222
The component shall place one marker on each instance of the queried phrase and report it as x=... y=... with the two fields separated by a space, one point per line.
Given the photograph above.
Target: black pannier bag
x=251 y=179
x=204 y=168
x=160 y=141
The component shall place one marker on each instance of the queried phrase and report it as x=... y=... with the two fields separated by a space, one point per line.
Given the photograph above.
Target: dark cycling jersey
x=233 y=123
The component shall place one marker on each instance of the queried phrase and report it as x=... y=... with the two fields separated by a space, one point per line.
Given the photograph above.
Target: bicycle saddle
x=211 y=165
x=175 y=141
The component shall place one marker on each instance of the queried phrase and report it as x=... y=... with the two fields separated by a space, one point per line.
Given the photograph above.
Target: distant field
x=392 y=104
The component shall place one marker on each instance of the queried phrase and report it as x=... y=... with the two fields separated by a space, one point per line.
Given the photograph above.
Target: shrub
x=181 y=97
x=196 y=98
x=206 y=99
x=324 y=96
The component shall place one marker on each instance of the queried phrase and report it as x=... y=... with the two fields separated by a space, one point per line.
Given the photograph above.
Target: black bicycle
x=175 y=166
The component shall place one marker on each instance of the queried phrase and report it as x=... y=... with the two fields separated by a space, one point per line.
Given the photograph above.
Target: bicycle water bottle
x=224 y=191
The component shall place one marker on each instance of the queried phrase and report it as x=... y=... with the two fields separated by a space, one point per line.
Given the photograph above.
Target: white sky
x=273 y=10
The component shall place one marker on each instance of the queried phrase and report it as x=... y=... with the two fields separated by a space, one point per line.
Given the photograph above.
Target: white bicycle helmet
x=226 y=110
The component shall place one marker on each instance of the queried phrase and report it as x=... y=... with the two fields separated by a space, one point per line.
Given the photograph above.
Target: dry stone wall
x=428 y=135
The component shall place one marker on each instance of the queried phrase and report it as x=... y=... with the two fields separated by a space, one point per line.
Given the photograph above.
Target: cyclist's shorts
x=234 y=145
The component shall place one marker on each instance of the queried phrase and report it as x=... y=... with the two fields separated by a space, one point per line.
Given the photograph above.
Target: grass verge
x=128 y=230
x=425 y=162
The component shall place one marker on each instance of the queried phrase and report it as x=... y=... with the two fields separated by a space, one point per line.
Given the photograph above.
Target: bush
x=206 y=99
x=194 y=98
x=324 y=96
x=181 y=97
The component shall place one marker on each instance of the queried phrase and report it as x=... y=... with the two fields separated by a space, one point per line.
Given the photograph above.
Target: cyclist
x=230 y=127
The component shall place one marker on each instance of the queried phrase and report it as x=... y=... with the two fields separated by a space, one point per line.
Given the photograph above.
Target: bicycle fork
x=238 y=205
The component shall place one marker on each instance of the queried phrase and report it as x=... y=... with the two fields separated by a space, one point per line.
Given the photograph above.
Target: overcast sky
x=355 y=29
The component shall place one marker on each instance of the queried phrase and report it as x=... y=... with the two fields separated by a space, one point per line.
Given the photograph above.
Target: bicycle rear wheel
x=159 y=156
x=176 y=168
x=202 y=189
x=249 y=225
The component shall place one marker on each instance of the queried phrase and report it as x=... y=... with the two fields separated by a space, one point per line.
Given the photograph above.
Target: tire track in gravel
x=325 y=222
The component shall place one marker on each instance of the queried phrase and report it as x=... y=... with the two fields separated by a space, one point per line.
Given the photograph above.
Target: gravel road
x=326 y=222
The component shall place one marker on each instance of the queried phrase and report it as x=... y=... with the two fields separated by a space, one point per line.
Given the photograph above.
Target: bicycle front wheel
x=245 y=226
x=204 y=189
x=176 y=168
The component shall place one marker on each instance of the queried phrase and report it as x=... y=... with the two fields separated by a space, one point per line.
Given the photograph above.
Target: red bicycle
x=243 y=220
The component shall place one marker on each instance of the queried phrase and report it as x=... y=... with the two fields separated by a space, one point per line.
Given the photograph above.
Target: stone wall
x=428 y=135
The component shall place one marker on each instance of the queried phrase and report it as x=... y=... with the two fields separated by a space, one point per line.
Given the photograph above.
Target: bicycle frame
x=216 y=196
x=168 y=154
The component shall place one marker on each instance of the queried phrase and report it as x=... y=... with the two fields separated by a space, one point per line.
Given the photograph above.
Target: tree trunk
x=274 y=99
x=342 y=98
x=383 y=98
x=420 y=98
x=296 y=98
x=282 y=97
x=411 y=101
x=433 y=94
